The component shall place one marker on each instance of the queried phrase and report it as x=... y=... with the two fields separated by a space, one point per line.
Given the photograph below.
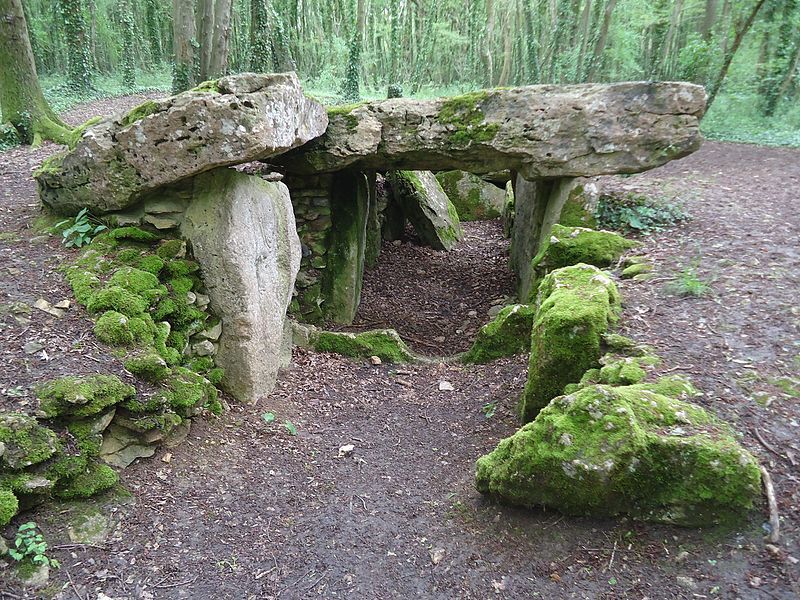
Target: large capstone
x=234 y=120
x=537 y=131
x=242 y=231
x=636 y=450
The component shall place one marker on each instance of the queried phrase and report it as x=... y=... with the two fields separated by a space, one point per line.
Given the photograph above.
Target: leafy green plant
x=290 y=427
x=634 y=213
x=489 y=409
x=30 y=544
x=689 y=283
x=83 y=229
x=268 y=417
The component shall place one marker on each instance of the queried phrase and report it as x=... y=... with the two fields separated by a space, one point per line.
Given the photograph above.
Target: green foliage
x=9 y=137
x=30 y=544
x=632 y=213
x=689 y=283
x=82 y=230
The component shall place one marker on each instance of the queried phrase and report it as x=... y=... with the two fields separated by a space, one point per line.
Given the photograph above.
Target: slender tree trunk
x=21 y=99
x=184 y=32
x=350 y=86
x=667 y=48
x=508 y=35
x=583 y=34
x=791 y=74
x=128 y=47
x=153 y=33
x=740 y=32
x=218 y=60
x=79 y=76
x=602 y=40
x=260 y=50
x=486 y=51
x=709 y=19
x=205 y=35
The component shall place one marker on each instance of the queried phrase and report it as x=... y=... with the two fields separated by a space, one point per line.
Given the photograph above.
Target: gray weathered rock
x=242 y=231
x=246 y=117
x=121 y=446
x=474 y=198
x=538 y=131
x=427 y=207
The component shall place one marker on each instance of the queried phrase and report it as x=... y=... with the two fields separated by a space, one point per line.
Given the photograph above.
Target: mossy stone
x=171 y=249
x=604 y=451
x=82 y=396
x=386 y=344
x=26 y=442
x=509 y=333
x=149 y=366
x=116 y=329
x=633 y=270
x=9 y=505
x=133 y=234
x=576 y=307
x=94 y=479
x=119 y=299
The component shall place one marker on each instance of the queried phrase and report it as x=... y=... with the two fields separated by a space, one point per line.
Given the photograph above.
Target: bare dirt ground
x=244 y=509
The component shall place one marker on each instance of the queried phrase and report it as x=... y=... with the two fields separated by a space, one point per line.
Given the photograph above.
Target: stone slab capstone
x=539 y=131
x=233 y=120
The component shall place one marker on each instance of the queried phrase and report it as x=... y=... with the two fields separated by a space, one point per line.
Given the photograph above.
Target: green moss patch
x=133 y=234
x=386 y=344
x=509 y=333
x=466 y=119
x=26 y=442
x=604 y=451
x=9 y=505
x=577 y=305
x=145 y=109
x=82 y=396
x=94 y=479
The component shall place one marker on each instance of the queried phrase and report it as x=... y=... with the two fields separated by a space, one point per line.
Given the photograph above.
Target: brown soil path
x=245 y=510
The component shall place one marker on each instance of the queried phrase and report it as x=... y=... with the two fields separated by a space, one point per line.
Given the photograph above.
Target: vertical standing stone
x=243 y=233
x=341 y=284
x=537 y=207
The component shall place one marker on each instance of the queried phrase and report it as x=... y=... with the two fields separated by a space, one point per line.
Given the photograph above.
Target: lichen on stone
x=604 y=451
x=149 y=366
x=509 y=333
x=576 y=306
x=464 y=115
x=137 y=113
x=94 y=479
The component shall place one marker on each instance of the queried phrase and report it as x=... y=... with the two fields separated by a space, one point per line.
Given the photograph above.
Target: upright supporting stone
x=341 y=283
x=374 y=234
x=243 y=233
x=537 y=207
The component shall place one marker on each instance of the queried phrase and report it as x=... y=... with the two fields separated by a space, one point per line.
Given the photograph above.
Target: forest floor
x=243 y=509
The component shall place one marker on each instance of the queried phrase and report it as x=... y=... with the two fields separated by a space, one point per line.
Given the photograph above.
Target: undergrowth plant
x=83 y=229
x=689 y=283
x=634 y=213
x=30 y=544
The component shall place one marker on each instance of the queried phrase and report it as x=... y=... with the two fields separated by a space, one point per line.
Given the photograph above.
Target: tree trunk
x=583 y=34
x=153 y=33
x=709 y=19
x=505 y=72
x=667 y=50
x=79 y=76
x=486 y=51
x=218 y=61
x=128 y=51
x=183 y=31
x=260 y=50
x=741 y=31
x=602 y=39
x=21 y=99
x=205 y=35
x=350 y=86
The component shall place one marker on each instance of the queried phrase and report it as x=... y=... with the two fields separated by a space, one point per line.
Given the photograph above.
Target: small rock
x=755 y=582
x=681 y=556
x=437 y=554
x=346 y=450
x=773 y=550
x=3 y=546
x=472 y=313
x=64 y=304
x=167 y=458
x=37 y=578
x=191 y=298
x=375 y=360
x=204 y=348
x=212 y=333
x=202 y=301
x=446 y=386
x=32 y=347
x=45 y=306
x=686 y=582
x=495 y=310
x=164 y=221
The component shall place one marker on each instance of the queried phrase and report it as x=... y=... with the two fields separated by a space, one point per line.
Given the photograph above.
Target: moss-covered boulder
x=604 y=451
x=427 y=207
x=573 y=245
x=576 y=307
x=24 y=441
x=474 y=198
x=509 y=333
x=579 y=206
x=82 y=396
x=386 y=344
x=95 y=478
x=9 y=505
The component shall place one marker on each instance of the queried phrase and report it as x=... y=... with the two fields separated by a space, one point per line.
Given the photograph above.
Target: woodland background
x=747 y=52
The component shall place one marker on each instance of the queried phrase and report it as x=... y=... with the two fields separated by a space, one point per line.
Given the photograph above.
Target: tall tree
x=602 y=40
x=79 y=74
x=214 y=30
x=184 y=33
x=128 y=44
x=21 y=99
x=260 y=50
x=350 y=87
x=740 y=30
